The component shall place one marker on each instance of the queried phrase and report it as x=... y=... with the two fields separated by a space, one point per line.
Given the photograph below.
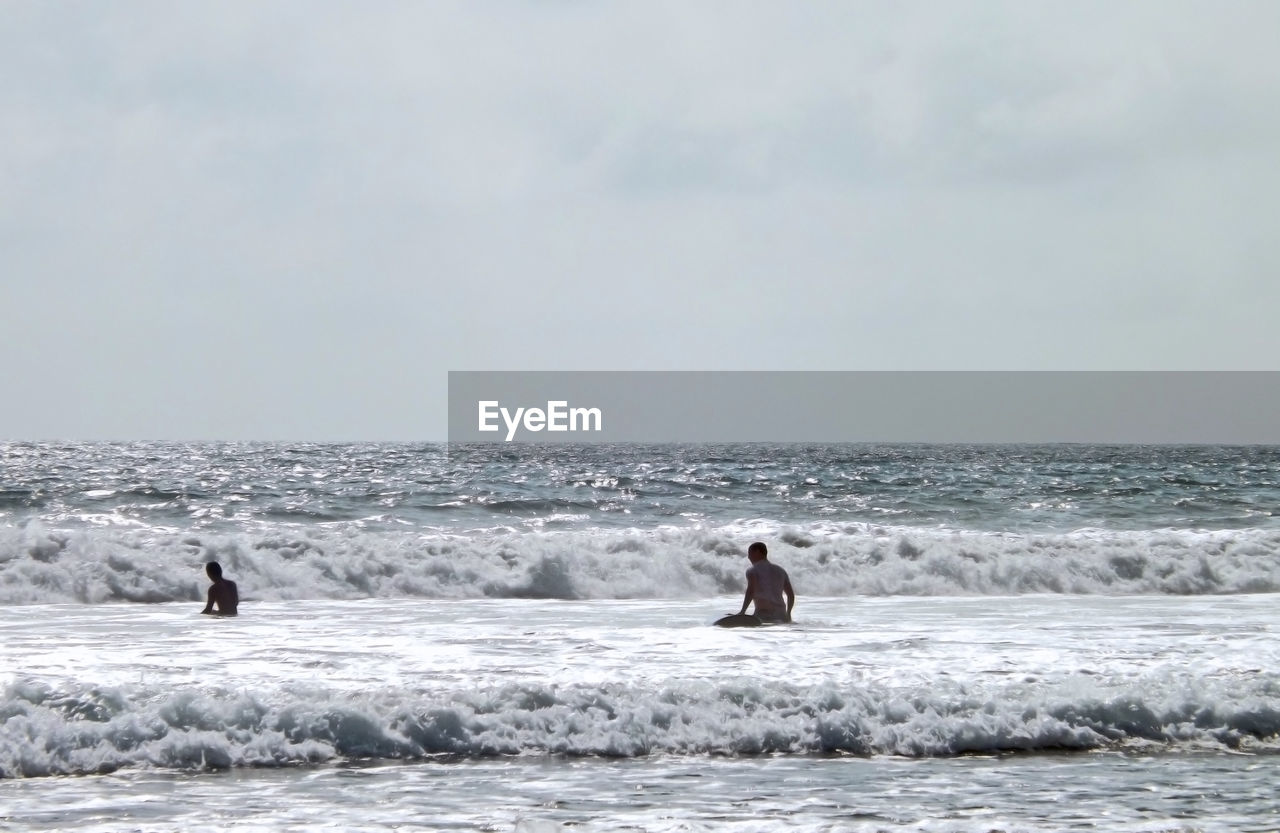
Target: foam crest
x=91 y=730
x=39 y=565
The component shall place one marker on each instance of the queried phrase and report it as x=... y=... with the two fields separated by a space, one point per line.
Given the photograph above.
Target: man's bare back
x=222 y=593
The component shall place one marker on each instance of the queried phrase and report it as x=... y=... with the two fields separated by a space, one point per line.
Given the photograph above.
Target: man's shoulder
x=766 y=566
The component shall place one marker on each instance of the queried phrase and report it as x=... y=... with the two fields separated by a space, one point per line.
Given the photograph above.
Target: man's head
x=757 y=552
x=214 y=570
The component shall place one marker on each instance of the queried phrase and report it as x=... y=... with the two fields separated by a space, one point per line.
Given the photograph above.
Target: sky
x=290 y=220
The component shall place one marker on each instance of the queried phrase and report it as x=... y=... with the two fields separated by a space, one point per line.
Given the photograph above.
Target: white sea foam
x=83 y=730
x=498 y=620
x=39 y=565
x=94 y=688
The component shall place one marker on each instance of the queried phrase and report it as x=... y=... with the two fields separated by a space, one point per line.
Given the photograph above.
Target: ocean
x=518 y=637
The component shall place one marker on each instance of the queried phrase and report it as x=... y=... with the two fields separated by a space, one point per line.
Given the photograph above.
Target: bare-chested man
x=767 y=583
x=222 y=593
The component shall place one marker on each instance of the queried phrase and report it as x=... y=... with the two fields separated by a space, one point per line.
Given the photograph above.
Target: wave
x=95 y=730
x=39 y=565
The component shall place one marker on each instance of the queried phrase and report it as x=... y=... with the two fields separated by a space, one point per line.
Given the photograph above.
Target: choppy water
x=388 y=486
x=95 y=523
x=1012 y=638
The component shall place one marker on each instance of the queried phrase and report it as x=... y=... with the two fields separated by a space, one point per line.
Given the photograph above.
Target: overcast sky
x=274 y=220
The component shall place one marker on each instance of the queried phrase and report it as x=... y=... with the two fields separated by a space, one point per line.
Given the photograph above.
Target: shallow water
x=1049 y=792
x=1028 y=713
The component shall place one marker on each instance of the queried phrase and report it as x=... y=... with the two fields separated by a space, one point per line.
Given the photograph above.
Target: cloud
x=324 y=207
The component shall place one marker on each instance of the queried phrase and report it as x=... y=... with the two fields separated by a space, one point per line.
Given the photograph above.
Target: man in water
x=767 y=583
x=222 y=592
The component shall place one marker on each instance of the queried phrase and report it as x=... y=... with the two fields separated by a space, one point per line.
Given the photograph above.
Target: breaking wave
x=94 y=730
x=39 y=565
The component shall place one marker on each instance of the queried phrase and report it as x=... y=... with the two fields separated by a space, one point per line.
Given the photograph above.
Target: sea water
x=986 y=638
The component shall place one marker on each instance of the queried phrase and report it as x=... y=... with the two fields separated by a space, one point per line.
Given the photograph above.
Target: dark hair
x=214 y=569
x=758 y=547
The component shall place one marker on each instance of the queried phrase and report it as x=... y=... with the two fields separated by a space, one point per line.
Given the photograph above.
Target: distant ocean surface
x=517 y=637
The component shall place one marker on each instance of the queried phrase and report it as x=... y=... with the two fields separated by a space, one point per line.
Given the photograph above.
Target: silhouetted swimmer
x=767 y=583
x=222 y=593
